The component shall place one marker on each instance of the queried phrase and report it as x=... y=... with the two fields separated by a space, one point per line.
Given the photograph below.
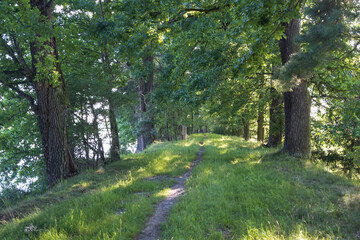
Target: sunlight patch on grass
x=163 y=193
x=101 y=170
x=223 y=146
x=68 y=212
x=267 y=196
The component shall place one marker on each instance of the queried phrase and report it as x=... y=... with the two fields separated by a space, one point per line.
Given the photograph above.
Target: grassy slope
x=113 y=203
x=242 y=191
x=238 y=191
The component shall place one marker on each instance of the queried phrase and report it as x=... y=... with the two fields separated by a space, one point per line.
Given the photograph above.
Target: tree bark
x=115 y=143
x=100 y=147
x=276 y=119
x=246 y=126
x=184 y=131
x=167 y=127
x=145 y=117
x=240 y=131
x=296 y=102
x=260 y=123
x=192 y=121
x=260 y=127
x=52 y=103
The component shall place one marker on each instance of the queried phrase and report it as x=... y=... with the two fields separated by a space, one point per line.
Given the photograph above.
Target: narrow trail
x=152 y=228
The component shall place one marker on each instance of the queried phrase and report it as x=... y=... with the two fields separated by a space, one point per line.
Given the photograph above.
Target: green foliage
x=20 y=147
x=213 y=67
x=323 y=34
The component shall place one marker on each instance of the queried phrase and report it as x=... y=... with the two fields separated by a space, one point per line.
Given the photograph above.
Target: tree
x=34 y=60
x=297 y=101
x=322 y=37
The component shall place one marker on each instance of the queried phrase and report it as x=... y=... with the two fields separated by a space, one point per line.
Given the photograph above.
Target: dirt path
x=152 y=228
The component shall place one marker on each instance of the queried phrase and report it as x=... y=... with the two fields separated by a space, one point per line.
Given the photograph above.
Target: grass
x=239 y=190
x=243 y=191
x=111 y=203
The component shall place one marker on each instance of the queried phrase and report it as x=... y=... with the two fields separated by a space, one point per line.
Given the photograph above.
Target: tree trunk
x=260 y=123
x=260 y=127
x=145 y=117
x=51 y=104
x=297 y=121
x=174 y=126
x=85 y=135
x=167 y=127
x=246 y=125
x=192 y=121
x=276 y=119
x=296 y=102
x=184 y=131
x=100 y=147
x=240 y=131
x=115 y=143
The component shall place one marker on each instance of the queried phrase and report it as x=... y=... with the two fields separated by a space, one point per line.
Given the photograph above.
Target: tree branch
x=19 y=53
x=9 y=50
x=22 y=94
x=201 y=10
x=15 y=73
x=206 y=11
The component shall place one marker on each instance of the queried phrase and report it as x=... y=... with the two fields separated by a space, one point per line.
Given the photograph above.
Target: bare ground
x=152 y=228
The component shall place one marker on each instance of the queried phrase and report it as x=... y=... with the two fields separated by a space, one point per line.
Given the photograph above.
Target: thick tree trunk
x=51 y=104
x=297 y=121
x=296 y=102
x=51 y=115
x=145 y=117
x=276 y=119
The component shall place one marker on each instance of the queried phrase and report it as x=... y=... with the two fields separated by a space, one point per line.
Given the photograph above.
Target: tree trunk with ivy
x=52 y=102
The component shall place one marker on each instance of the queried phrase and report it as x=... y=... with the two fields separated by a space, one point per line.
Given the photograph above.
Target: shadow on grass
x=242 y=191
x=120 y=203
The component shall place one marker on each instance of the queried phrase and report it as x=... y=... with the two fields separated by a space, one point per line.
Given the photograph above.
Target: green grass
x=238 y=191
x=111 y=203
x=243 y=191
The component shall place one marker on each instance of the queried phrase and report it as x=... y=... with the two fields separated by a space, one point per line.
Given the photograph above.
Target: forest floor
x=239 y=190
